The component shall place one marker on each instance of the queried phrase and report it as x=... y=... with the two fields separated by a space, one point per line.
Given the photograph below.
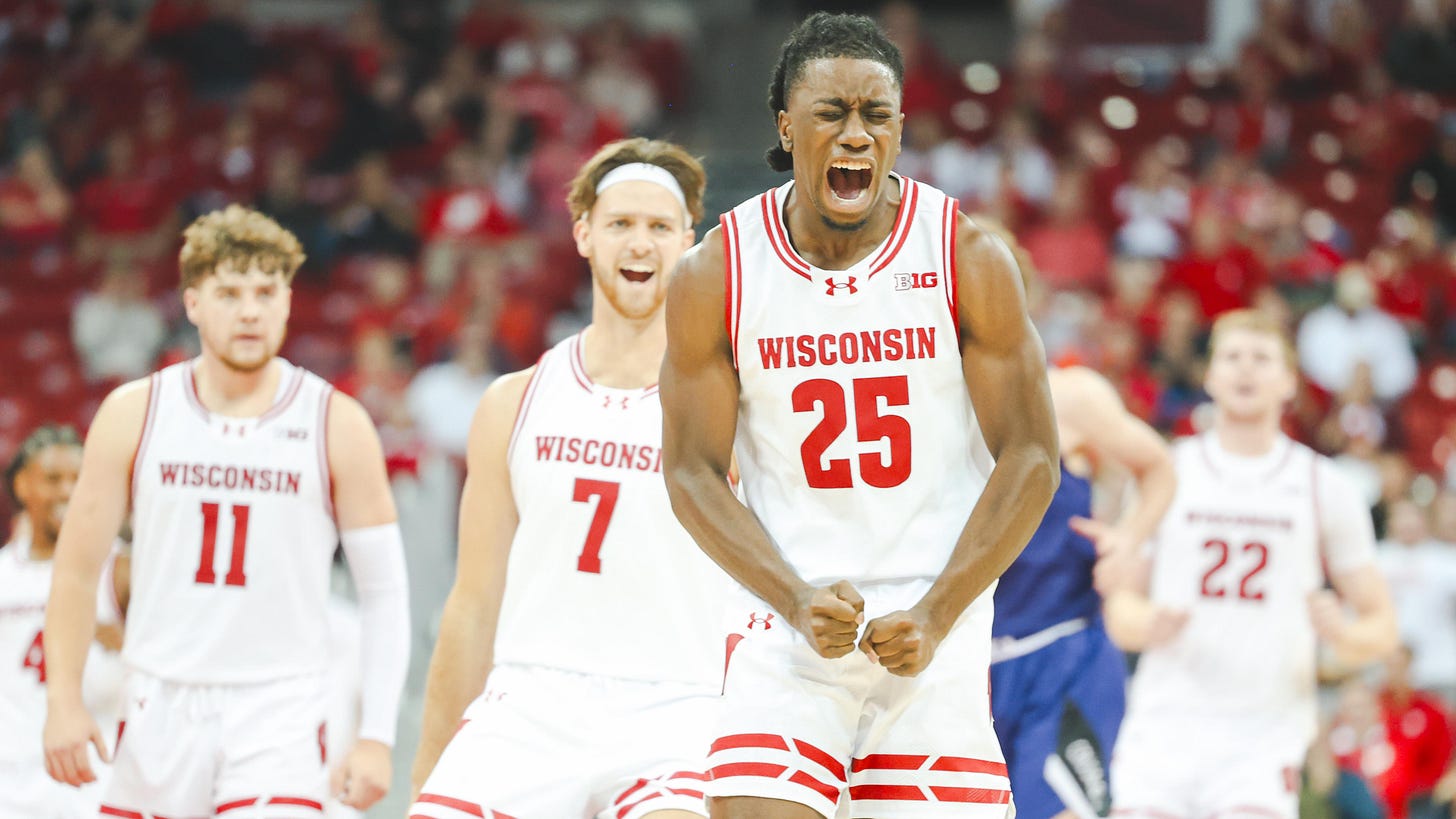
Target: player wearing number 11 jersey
x=242 y=473
x=1222 y=707
x=864 y=350
x=580 y=608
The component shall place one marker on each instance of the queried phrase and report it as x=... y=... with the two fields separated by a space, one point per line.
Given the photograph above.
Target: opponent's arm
x=369 y=532
x=97 y=508
x=700 y=392
x=1005 y=371
x=463 y=650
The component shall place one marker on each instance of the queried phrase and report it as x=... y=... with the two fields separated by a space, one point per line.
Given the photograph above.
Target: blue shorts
x=1057 y=711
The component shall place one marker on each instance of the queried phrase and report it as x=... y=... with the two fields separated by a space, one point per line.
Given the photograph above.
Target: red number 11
x=206 y=574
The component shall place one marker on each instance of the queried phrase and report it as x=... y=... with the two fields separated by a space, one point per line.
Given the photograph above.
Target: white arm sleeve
x=1346 y=530
x=376 y=561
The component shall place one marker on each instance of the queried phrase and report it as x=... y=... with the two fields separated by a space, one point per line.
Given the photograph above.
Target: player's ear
x=786 y=132
x=190 y=300
x=581 y=232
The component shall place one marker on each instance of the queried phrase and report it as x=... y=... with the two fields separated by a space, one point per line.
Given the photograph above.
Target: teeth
x=850 y=164
x=637 y=268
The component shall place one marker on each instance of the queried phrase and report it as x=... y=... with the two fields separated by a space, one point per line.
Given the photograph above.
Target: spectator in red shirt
x=460 y=216
x=1069 y=248
x=1221 y=274
x=122 y=210
x=34 y=205
x=1418 y=729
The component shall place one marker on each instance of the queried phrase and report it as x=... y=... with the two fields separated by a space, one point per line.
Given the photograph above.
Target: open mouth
x=638 y=274
x=849 y=179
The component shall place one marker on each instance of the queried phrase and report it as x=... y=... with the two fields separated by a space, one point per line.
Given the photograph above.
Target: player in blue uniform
x=1057 y=681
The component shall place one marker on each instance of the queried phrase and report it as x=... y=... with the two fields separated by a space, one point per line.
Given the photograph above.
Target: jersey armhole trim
x=525 y=406
x=326 y=477
x=732 y=282
x=1319 y=525
x=949 y=224
x=150 y=419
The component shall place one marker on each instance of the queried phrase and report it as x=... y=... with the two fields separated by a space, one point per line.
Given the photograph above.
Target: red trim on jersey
x=824 y=789
x=733 y=273
x=290 y=393
x=107 y=810
x=1319 y=529
x=779 y=237
x=730 y=643
x=451 y=802
x=578 y=365
x=909 y=199
x=525 y=404
x=962 y=764
x=730 y=293
x=147 y=423
x=732 y=741
x=949 y=223
x=325 y=474
x=822 y=757
x=189 y=385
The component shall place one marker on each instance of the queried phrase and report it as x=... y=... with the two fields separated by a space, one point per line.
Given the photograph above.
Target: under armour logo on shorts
x=755 y=621
x=834 y=286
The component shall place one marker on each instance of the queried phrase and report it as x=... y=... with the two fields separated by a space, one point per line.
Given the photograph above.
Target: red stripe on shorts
x=888 y=762
x=827 y=791
x=107 y=810
x=964 y=764
x=763 y=769
x=822 y=757
x=984 y=796
x=749 y=741
x=901 y=793
x=297 y=801
x=236 y=803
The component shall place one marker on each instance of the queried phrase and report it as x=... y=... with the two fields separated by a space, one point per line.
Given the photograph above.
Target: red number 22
x=1212 y=587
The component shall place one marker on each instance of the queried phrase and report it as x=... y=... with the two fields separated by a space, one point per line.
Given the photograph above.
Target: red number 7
x=606 y=494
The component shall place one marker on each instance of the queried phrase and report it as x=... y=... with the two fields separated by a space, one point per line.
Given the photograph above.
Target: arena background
x=1162 y=162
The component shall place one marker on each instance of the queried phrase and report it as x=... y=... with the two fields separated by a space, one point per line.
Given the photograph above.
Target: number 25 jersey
x=857 y=443
x=233 y=535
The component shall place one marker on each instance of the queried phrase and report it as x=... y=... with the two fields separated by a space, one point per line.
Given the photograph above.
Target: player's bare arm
x=488 y=519
x=369 y=531
x=1005 y=371
x=700 y=416
x=1371 y=633
x=97 y=508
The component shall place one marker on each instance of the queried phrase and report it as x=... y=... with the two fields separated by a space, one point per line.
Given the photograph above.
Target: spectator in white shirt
x=1422 y=577
x=442 y=397
x=1336 y=338
x=117 y=332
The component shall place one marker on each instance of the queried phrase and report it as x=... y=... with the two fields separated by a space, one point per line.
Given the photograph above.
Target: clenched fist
x=903 y=642
x=830 y=617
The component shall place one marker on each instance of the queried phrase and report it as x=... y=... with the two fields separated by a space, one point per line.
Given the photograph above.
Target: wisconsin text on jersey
x=215 y=476
x=894 y=344
x=641 y=457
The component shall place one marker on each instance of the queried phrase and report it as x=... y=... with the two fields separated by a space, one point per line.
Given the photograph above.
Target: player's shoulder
x=509 y=389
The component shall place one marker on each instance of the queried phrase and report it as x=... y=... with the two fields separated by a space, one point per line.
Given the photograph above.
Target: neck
x=42 y=544
x=227 y=391
x=1249 y=438
x=830 y=248
x=624 y=353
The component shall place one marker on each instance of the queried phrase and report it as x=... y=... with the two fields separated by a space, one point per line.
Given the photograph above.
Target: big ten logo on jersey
x=917 y=281
x=291 y=434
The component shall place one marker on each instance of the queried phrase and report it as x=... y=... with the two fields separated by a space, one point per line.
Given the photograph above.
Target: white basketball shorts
x=847 y=736
x=1218 y=767
x=543 y=742
x=231 y=751
x=27 y=790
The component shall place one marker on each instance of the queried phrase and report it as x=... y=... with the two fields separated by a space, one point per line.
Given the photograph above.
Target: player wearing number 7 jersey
x=242 y=473
x=580 y=608
x=1222 y=707
x=864 y=350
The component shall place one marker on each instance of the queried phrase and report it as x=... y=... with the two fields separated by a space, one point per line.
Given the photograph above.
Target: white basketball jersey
x=25 y=585
x=1240 y=549
x=601 y=578
x=857 y=444
x=233 y=535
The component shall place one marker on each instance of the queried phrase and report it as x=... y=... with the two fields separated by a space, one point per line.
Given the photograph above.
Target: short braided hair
x=44 y=436
x=823 y=36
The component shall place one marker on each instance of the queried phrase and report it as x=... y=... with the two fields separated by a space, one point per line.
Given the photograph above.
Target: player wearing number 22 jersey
x=1222 y=707
x=242 y=474
x=601 y=658
x=864 y=350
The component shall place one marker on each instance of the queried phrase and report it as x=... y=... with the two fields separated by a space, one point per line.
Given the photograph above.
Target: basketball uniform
x=1219 y=718
x=1057 y=681
x=859 y=452
x=227 y=642
x=25 y=787
x=608 y=655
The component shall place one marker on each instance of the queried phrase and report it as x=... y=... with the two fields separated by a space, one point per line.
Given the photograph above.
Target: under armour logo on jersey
x=607 y=402
x=834 y=287
x=229 y=429
x=754 y=621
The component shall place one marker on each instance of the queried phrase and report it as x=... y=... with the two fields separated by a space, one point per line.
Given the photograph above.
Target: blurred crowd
x=421 y=156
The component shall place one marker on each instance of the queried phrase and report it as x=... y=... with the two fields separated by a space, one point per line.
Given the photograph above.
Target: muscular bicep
x=356 y=467
x=1001 y=353
x=699 y=384
x=488 y=514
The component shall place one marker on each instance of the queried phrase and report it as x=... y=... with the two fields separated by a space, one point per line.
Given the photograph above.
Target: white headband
x=644 y=172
